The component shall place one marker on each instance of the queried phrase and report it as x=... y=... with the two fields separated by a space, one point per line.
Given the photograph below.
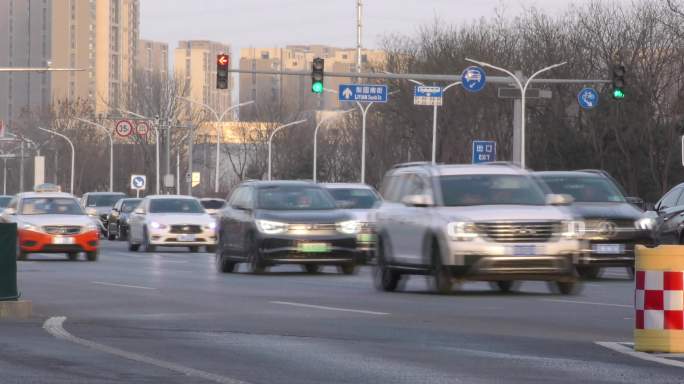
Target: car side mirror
x=242 y=207
x=559 y=199
x=9 y=212
x=418 y=200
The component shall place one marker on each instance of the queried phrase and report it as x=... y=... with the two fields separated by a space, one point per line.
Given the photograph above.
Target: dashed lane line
x=302 y=305
x=122 y=285
x=587 y=303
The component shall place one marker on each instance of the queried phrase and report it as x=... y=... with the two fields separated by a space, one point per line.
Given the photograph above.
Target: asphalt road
x=169 y=317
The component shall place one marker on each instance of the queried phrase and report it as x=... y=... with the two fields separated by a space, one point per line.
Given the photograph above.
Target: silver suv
x=474 y=222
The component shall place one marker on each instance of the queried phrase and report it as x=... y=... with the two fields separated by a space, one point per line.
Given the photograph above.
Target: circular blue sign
x=139 y=182
x=473 y=79
x=588 y=98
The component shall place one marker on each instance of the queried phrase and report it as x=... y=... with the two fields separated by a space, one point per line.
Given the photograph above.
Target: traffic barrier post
x=659 y=299
x=8 y=262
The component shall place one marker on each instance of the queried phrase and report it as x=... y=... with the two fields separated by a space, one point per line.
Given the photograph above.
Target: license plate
x=186 y=237
x=61 y=240
x=608 y=249
x=524 y=250
x=365 y=238
x=314 y=247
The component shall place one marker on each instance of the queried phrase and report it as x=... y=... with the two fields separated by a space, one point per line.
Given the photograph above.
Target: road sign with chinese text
x=484 y=151
x=427 y=95
x=363 y=92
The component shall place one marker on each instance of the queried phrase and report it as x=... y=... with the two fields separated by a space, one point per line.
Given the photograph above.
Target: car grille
x=186 y=229
x=311 y=228
x=607 y=228
x=507 y=232
x=62 y=229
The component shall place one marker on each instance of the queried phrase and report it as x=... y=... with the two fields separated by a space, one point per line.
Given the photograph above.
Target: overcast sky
x=268 y=23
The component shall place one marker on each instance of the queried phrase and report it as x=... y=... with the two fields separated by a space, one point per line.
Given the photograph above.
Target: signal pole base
x=20 y=309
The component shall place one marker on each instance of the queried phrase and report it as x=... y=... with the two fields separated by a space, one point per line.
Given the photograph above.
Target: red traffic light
x=223 y=59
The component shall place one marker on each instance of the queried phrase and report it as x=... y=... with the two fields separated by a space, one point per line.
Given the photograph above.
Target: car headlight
x=91 y=212
x=645 y=223
x=461 y=231
x=157 y=225
x=30 y=227
x=573 y=229
x=91 y=226
x=270 y=227
x=211 y=225
x=349 y=227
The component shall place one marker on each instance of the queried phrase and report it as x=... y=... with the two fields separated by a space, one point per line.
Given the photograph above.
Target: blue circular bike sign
x=473 y=79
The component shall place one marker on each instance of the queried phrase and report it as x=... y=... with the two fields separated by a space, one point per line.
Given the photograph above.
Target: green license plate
x=365 y=238
x=314 y=247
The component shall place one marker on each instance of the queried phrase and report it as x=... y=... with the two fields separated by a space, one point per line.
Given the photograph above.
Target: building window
x=264 y=55
x=345 y=56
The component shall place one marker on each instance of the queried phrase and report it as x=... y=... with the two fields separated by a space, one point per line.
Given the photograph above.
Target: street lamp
x=315 y=146
x=218 y=118
x=270 y=140
x=156 y=142
x=111 y=149
x=523 y=90
x=73 y=152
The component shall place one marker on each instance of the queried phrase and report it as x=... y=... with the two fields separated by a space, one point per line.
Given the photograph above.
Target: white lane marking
x=619 y=347
x=121 y=285
x=588 y=303
x=55 y=327
x=329 y=308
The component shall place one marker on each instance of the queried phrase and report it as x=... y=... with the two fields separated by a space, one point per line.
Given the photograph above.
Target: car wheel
x=385 y=278
x=311 y=268
x=589 y=272
x=211 y=248
x=504 y=285
x=110 y=235
x=146 y=240
x=565 y=287
x=194 y=249
x=441 y=276
x=223 y=265
x=73 y=256
x=256 y=264
x=347 y=269
x=92 y=256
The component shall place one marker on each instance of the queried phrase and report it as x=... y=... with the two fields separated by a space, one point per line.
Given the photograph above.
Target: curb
x=20 y=309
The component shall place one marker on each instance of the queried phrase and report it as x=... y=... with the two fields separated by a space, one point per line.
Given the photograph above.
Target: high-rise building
x=284 y=96
x=195 y=64
x=98 y=36
x=153 y=59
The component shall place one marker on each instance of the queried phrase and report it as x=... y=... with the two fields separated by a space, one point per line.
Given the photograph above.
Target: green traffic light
x=618 y=94
x=317 y=87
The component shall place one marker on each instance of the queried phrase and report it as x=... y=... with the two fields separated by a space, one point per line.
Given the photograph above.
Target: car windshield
x=585 y=189
x=4 y=201
x=291 y=197
x=212 y=204
x=357 y=198
x=129 y=205
x=468 y=190
x=50 y=206
x=175 y=206
x=103 y=200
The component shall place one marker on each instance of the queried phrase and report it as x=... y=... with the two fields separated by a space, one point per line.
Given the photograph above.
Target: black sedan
x=117 y=219
x=668 y=217
x=285 y=222
x=612 y=225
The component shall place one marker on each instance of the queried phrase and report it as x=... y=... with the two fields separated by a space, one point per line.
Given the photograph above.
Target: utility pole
x=21 y=168
x=517 y=125
x=359 y=30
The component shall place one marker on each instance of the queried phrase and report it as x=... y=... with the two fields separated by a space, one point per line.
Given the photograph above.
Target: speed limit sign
x=142 y=128
x=123 y=128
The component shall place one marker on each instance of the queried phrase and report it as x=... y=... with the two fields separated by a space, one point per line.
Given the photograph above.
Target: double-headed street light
x=111 y=149
x=219 y=118
x=73 y=154
x=523 y=89
x=270 y=140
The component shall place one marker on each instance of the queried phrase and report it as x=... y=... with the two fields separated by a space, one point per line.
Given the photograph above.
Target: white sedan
x=171 y=221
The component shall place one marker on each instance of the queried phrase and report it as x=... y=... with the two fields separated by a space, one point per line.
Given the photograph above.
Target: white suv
x=474 y=222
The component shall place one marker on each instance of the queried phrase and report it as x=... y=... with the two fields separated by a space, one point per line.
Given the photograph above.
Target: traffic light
x=317 y=68
x=618 y=81
x=222 y=65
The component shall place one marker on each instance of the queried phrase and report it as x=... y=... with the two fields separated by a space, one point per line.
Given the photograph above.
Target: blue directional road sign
x=588 y=98
x=473 y=79
x=363 y=92
x=138 y=182
x=484 y=151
